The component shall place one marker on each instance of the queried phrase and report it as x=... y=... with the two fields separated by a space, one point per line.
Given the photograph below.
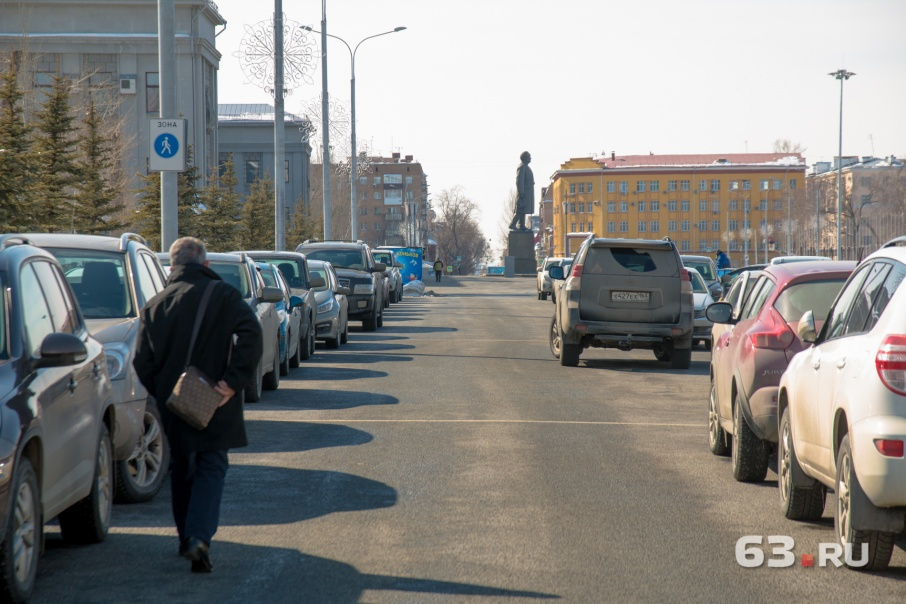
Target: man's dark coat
x=163 y=341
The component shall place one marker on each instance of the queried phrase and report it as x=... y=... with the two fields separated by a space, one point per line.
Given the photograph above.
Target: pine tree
x=16 y=167
x=97 y=204
x=304 y=226
x=218 y=224
x=146 y=219
x=257 y=232
x=57 y=173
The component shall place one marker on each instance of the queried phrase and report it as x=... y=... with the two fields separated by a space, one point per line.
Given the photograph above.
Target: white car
x=701 y=300
x=544 y=278
x=842 y=410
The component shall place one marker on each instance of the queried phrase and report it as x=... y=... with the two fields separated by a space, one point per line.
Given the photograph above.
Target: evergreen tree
x=57 y=171
x=187 y=204
x=98 y=207
x=218 y=224
x=257 y=230
x=16 y=167
x=146 y=218
x=304 y=226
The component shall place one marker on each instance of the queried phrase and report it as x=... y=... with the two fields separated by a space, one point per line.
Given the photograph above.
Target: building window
x=733 y=225
x=792 y=184
x=641 y=206
x=746 y=185
x=734 y=205
x=581 y=207
x=152 y=92
x=671 y=205
x=285 y=170
x=252 y=167
x=624 y=227
x=684 y=185
x=363 y=226
x=671 y=226
x=640 y=186
x=572 y=188
x=715 y=206
x=684 y=225
x=778 y=225
x=642 y=226
x=377 y=194
x=702 y=225
x=581 y=227
x=734 y=246
x=671 y=185
x=734 y=185
x=778 y=204
x=364 y=195
x=611 y=227
x=624 y=187
x=624 y=206
x=376 y=181
x=702 y=244
x=763 y=205
x=764 y=184
x=702 y=205
x=611 y=207
x=588 y=187
x=747 y=205
x=777 y=184
x=611 y=187
x=763 y=225
x=715 y=186
x=222 y=160
x=715 y=225
x=684 y=245
x=746 y=224
x=408 y=180
x=581 y=187
x=655 y=226
x=703 y=185
x=654 y=186
x=684 y=205
x=655 y=206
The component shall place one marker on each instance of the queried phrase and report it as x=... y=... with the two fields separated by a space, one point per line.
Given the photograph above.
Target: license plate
x=630 y=296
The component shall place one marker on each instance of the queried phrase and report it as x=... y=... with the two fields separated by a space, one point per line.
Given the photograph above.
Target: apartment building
x=741 y=203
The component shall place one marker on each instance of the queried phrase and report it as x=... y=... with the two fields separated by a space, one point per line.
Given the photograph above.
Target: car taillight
x=889 y=447
x=890 y=362
x=776 y=335
x=684 y=275
x=577 y=270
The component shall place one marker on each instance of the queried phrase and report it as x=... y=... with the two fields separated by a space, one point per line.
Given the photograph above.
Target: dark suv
x=624 y=294
x=56 y=457
x=357 y=270
x=113 y=278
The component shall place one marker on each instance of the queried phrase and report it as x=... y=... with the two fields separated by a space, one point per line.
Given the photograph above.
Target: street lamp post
x=840 y=74
x=353 y=177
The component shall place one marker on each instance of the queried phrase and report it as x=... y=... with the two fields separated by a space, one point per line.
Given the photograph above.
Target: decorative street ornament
x=256 y=55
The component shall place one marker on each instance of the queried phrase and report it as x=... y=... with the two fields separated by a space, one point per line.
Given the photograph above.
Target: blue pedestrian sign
x=167 y=138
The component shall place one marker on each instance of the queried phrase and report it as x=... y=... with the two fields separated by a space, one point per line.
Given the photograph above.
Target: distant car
x=544 y=278
x=56 y=415
x=842 y=411
x=289 y=310
x=566 y=264
x=624 y=294
x=113 y=278
x=748 y=360
x=240 y=271
x=708 y=270
x=333 y=307
x=701 y=300
x=730 y=275
x=394 y=277
x=788 y=259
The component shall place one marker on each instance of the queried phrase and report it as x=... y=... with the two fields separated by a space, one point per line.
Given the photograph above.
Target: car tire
x=380 y=318
x=307 y=345
x=21 y=541
x=661 y=353
x=554 y=337
x=880 y=544
x=344 y=335
x=141 y=477
x=797 y=503
x=718 y=439
x=543 y=296
x=371 y=323
x=296 y=358
x=285 y=363
x=271 y=379
x=748 y=452
x=332 y=343
x=681 y=358
x=255 y=386
x=88 y=520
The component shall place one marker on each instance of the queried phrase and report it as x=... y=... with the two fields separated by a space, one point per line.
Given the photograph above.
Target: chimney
x=408 y=159
x=396 y=156
x=613 y=156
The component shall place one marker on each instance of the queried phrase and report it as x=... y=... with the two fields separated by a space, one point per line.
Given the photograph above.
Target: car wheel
x=749 y=453
x=797 y=503
x=380 y=319
x=88 y=520
x=255 y=385
x=661 y=353
x=569 y=353
x=284 y=364
x=880 y=544
x=141 y=477
x=272 y=378
x=21 y=545
x=332 y=343
x=296 y=358
x=554 y=336
x=344 y=335
x=307 y=345
x=681 y=358
x=718 y=439
x=371 y=323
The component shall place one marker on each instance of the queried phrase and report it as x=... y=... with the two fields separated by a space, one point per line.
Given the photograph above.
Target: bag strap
x=198 y=316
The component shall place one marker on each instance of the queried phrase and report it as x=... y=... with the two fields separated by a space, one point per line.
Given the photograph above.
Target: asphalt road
x=448 y=457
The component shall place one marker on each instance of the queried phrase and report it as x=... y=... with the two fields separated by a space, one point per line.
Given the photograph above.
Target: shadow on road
x=409 y=329
x=368 y=346
x=334 y=373
x=364 y=357
x=315 y=399
x=274 y=436
x=652 y=366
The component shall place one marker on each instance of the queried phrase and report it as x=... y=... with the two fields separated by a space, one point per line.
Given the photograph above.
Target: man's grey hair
x=186 y=250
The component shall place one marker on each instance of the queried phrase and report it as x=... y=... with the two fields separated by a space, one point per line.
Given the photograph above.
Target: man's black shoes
x=197 y=551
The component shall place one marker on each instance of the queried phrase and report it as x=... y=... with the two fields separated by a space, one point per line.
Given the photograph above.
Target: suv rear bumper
x=627 y=336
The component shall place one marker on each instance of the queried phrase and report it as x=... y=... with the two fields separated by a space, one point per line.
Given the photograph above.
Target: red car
x=748 y=359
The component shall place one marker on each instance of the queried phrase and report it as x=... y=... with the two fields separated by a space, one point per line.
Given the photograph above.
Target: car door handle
x=817 y=364
x=841 y=363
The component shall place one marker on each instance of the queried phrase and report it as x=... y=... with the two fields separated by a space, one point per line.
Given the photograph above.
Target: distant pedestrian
x=438 y=269
x=230 y=338
x=723 y=261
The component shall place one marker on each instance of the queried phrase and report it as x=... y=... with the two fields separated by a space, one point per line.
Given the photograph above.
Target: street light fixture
x=353 y=176
x=840 y=74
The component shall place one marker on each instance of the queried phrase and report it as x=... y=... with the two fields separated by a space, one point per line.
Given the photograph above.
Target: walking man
x=438 y=269
x=227 y=349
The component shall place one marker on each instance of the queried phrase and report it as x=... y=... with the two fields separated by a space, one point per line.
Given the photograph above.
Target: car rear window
x=816 y=296
x=339 y=258
x=99 y=282
x=705 y=269
x=606 y=260
x=234 y=274
x=698 y=284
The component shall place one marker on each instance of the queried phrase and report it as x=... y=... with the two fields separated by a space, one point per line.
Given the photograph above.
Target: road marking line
x=474 y=421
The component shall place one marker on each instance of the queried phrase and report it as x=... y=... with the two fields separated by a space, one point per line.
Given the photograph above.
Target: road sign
x=168 y=145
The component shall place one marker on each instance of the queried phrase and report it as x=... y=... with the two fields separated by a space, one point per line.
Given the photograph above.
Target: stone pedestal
x=522 y=249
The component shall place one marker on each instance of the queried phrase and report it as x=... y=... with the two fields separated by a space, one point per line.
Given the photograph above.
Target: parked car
x=788 y=259
x=748 y=360
x=113 y=278
x=701 y=300
x=842 y=410
x=624 y=294
x=736 y=297
x=566 y=264
x=394 y=277
x=56 y=415
x=357 y=270
x=544 y=279
x=290 y=314
x=333 y=307
x=294 y=267
x=708 y=270
x=240 y=271
x=728 y=278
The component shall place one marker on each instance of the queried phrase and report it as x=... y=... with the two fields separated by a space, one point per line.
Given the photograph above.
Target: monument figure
x=525 y=193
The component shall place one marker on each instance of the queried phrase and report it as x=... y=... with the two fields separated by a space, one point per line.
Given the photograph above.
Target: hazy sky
x=473 y=83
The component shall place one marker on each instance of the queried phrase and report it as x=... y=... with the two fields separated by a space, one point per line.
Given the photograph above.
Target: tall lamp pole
x=840 y=74
x=353 y=176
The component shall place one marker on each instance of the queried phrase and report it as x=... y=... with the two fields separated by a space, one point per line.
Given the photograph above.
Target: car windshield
x=816 y=296
x=267 y=273
x=339 y=258
x=704 y=269
x=99 y=282
x=233 y=273
x=698 y=284
x=320 y=272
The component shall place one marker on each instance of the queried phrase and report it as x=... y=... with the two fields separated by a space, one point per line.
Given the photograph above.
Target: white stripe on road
x=474 y=421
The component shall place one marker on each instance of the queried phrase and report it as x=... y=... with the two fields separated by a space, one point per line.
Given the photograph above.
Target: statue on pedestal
x=525 y=193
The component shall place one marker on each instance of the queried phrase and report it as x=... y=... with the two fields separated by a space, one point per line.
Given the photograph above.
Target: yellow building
x=740 y=203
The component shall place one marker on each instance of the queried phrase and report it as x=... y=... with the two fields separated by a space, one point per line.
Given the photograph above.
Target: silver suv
x=624 y=294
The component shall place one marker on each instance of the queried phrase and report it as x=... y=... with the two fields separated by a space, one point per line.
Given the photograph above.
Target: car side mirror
x=317 y=282
x=61 y=349
x=556 y=272
x=806 y=327
x=379 y=267
x=272 y=294
x=295 y=301
x=720 y=312
x=344 y=291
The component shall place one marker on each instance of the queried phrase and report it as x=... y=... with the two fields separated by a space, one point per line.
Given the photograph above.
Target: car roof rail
x=125 y=238
x=13 y=239
x=895 y=242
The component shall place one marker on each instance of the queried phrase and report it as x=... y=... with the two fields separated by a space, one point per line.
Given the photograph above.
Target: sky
x=471 y=84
